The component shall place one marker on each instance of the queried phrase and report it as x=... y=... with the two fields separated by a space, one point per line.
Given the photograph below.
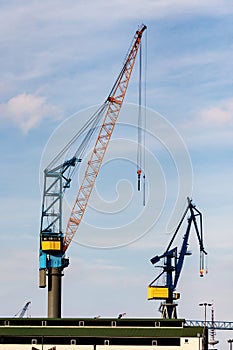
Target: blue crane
x=22 y=312
x=173 y=264
x=54 y=241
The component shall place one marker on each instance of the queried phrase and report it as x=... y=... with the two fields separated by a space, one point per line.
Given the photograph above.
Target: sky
x=59 y=61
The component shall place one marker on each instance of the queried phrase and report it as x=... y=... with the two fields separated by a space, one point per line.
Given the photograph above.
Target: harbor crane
x=173 y=263
x=22 y=312
x=54 y=242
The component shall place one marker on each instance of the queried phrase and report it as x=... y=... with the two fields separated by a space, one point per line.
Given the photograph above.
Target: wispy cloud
x=26 y=111
x=211 y=126
x=88 y=12
x=220 y=115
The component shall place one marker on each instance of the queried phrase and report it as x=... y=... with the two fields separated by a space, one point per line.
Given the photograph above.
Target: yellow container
x=157 y=293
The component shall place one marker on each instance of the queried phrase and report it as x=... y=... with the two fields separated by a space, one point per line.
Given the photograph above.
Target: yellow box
x=157 y=293
x=51 y=245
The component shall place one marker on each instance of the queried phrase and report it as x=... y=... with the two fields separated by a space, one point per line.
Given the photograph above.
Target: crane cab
x=51 y=242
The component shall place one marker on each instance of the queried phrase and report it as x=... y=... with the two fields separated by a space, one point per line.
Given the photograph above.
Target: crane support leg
x=54 y=292
x=168 y=310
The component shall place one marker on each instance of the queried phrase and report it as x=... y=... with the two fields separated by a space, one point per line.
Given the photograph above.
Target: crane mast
x=53 y=242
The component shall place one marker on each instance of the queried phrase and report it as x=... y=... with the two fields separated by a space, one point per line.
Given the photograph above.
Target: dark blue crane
x=173 y=263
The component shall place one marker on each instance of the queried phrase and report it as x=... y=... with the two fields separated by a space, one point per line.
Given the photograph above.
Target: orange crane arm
x=114 y=103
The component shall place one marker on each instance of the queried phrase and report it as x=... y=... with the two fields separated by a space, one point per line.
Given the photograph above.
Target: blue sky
x=58 y=59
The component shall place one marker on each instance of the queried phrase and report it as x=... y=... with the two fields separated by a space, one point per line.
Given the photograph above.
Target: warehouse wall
x=186 y=344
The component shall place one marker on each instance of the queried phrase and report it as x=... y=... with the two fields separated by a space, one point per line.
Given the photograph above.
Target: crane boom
x=114 y=103
x=22 y=312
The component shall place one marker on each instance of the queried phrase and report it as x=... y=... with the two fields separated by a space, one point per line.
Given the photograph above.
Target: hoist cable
x=139 y=127
x=90 y=125
x=87 y=139
x=144 y=125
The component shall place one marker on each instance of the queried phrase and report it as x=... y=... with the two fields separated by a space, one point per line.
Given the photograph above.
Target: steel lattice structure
x=221 y=325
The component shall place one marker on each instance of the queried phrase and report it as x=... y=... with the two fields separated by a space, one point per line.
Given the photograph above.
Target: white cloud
x=217 y=115
x=212 y=126
x=27 y=111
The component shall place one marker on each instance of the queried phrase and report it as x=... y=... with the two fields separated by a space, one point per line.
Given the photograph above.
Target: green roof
x=107 y=328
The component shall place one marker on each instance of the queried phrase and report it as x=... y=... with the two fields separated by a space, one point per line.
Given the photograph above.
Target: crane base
x=54 y=293
x=168 y=310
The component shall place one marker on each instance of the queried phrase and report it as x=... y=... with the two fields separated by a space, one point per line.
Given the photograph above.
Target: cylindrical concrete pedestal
x=54 y=293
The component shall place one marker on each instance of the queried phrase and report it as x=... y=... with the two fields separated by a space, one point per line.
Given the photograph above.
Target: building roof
x=100 y=327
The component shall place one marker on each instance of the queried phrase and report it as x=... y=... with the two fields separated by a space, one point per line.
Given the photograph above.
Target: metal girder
x=221 y=325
